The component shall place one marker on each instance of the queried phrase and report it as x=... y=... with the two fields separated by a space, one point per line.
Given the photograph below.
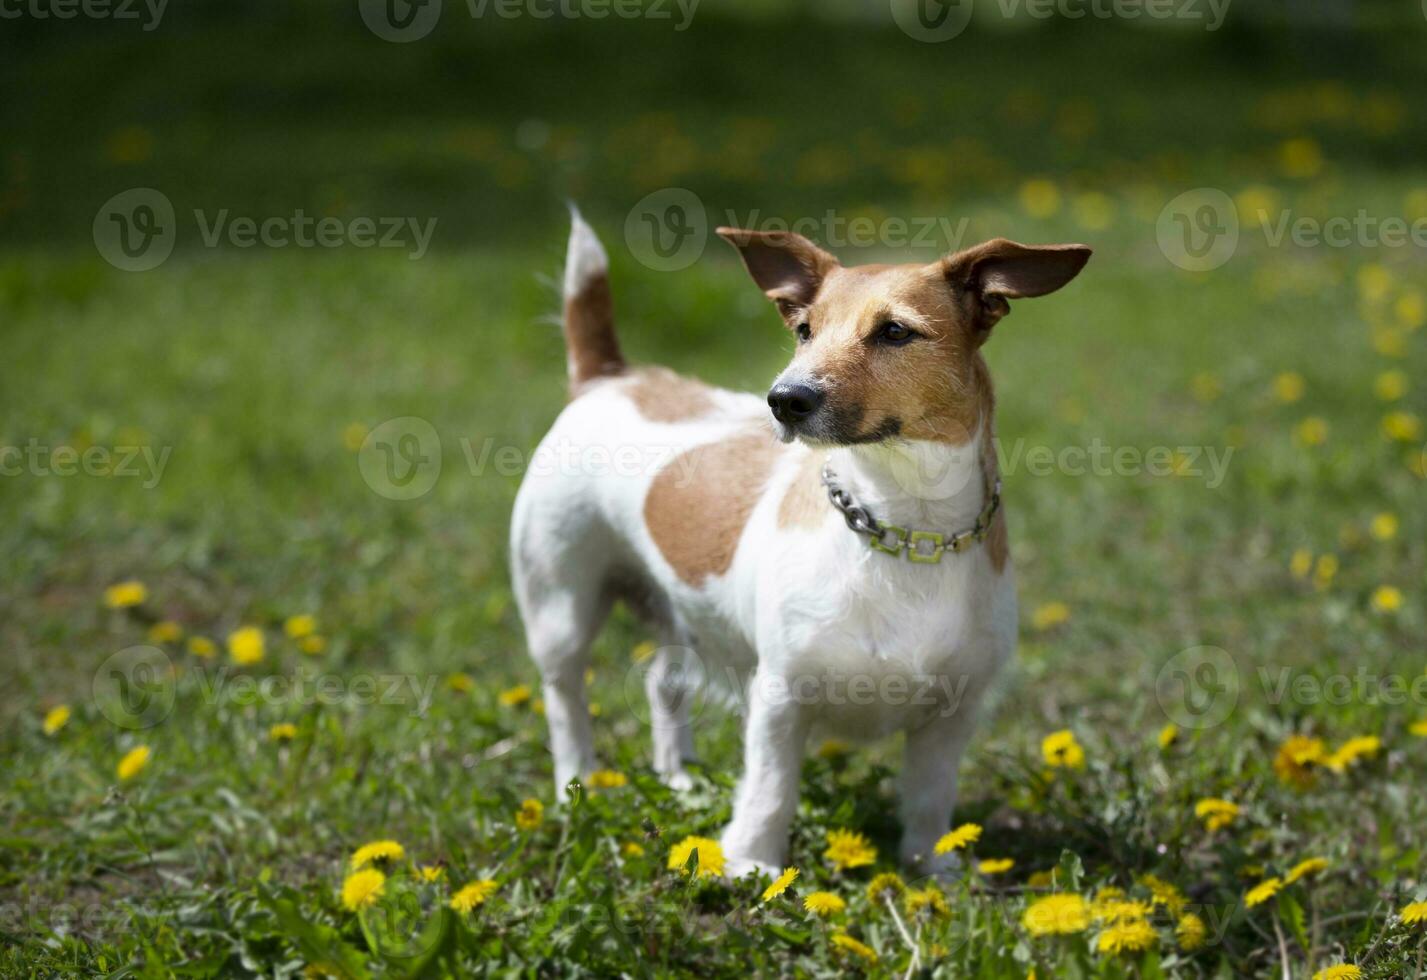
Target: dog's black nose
x=791 y=403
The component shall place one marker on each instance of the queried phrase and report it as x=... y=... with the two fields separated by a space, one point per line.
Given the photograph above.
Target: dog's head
x=891 y=351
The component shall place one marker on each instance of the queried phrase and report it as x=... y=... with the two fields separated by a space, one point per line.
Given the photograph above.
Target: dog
x=839 y=548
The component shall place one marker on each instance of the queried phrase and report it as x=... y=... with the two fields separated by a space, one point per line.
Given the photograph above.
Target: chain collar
x=922 y=547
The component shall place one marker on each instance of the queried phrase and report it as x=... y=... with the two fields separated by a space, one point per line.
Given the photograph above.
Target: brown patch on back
x=663 y=396
x=699 y=503
x=804 y=503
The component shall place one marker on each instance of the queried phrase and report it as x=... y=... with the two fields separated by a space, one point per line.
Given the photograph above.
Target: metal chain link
x=860 y=520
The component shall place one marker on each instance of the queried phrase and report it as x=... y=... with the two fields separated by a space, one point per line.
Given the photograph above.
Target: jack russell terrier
x=846 y=556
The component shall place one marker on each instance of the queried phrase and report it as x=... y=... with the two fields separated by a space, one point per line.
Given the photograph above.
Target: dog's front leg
x=756 y=839
x=931 y=762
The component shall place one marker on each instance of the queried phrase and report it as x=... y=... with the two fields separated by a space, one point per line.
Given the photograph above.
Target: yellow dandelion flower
x=312 y=645
x=1205 y=387
x=1339 y=971
x=126 y=594
x=1289 y=386
x=633 y=849
x=1386 y=599
x=848 y=849
x=1164 y=893
x=1300 y=157
x=354 y=435
x=296 y=627
x=362 y=889
x=1167 y=736
x=780 y=884
x=1414 y=913
x=1122 y=910
x=1039 y=879
x=165 y=631
x=710 y=857
x=516 y=696
x=1410 y=309
x=1056 y=915
x=377 y=852
x=995 y=866
x=283 y=731
x=1040 y=198
x=823 y=904
x=1347 y=754
x=1303 y=869
x=460 y=683
x=1296 y=759
x=246 y=646
x=833 y=748
x=530 y=815
x=643 y=651
x=1390 y=386
x=202 y=647
x=928 y=900
x=883 y=886
x=1191 y=932
x=1061 y=750
x=1418 y=728
x=133 y=762
x=1383 y=527
x=1324 y=571
x=606 y=779
x=1374 y=282
x=55 y=719
x=1312 y=431
x=431 y=872
x=1301 y=564
x=1216 y=813
x=955 y=840
x=1133 y=936
x=1263 y=891
x=1402 y=426
x=473 y=894
x=1104 y=897
x=844 y=943
x=1049 y=615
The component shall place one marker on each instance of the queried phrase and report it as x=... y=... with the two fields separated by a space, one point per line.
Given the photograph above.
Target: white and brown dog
x=853 y=571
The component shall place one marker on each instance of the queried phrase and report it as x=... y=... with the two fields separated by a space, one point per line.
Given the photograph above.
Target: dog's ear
x=996 y=271
x=785 y=265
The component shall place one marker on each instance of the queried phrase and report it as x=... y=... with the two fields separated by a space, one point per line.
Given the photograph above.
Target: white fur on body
x=821 y=632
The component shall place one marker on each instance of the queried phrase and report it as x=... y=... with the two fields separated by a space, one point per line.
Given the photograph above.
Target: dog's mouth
x=829 y=427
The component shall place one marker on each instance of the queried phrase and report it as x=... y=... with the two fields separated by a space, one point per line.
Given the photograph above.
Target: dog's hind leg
x=560 y=626
x=673 y=681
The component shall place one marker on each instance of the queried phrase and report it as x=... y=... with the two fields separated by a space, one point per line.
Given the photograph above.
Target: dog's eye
x=805 y=333
x=895 y=333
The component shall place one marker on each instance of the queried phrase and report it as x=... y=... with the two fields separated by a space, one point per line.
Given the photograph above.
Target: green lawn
x=254 y=374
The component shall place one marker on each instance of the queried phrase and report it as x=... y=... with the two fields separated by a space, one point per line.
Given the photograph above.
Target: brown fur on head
x=892 y=351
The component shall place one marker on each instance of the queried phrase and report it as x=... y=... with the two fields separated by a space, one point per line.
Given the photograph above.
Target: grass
x=258 y=370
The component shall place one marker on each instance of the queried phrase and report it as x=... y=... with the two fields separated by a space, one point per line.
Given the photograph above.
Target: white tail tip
x=585 y=260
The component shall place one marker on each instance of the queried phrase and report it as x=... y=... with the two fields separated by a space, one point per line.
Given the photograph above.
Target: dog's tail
x=590 y=345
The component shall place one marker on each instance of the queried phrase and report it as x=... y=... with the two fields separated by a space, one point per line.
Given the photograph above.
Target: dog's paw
x=678 y=780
